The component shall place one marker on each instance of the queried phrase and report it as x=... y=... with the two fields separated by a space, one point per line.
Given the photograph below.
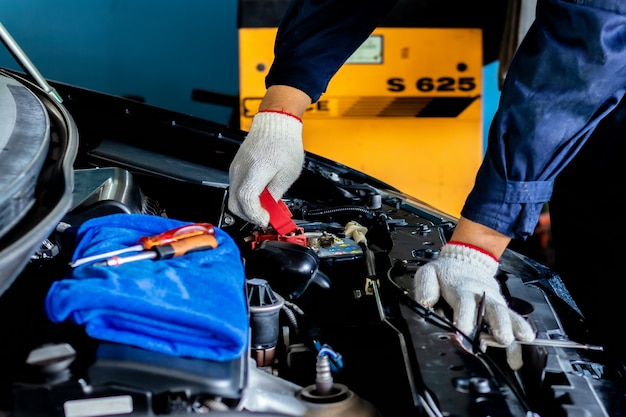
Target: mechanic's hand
x=271 y=156
x=460 y=275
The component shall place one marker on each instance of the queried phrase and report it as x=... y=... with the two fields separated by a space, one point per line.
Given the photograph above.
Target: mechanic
x=556 y=137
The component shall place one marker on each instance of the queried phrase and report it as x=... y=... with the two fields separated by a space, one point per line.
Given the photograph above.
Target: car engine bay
x=333 y=328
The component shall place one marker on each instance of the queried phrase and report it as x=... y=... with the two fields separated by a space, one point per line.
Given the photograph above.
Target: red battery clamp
x=280 y=219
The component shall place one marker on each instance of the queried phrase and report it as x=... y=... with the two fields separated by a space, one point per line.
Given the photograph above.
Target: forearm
x=285 y=99
x=476 y=234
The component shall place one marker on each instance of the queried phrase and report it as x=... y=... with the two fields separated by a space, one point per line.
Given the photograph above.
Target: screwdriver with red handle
x=149 y=242
x=170 y=250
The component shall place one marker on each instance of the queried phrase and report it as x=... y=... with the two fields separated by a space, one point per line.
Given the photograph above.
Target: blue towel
x=190 y=306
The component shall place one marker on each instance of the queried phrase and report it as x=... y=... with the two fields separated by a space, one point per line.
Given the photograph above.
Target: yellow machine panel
x=406 y=108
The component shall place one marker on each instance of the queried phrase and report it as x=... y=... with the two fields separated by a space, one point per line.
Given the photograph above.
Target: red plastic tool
x=280 y=215
x=280 y=220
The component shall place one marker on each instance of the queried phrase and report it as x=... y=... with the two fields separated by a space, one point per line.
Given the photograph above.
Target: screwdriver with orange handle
x=149 y=242
x=170 y=250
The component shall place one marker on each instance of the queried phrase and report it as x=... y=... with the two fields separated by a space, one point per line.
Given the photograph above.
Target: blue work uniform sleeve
x=568 y=73
x=316 y=37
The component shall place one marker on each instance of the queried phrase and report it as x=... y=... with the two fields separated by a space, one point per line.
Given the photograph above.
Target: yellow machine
x=406 y=108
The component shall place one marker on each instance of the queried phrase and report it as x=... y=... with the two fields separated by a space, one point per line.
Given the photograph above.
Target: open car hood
x=39 y=141
x=94 y=155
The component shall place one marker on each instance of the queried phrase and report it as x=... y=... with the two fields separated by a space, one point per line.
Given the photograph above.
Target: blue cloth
x=190 y=306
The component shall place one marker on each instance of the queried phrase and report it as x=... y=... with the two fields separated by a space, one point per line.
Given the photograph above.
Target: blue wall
x=158 y=49
x=491 y=95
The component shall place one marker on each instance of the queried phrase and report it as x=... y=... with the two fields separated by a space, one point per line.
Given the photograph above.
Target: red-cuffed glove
x=460 y=275
x=271 y=156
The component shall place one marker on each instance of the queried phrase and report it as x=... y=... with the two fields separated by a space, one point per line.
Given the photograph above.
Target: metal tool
x=149 y=242
x=472 y=340
x=480 y=318
x=171 y=250
x=485 y=340
x=27 y=64
x=490 y=342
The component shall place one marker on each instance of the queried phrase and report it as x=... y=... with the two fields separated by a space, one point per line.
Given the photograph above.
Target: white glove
x=271 y=156
x=460 y=275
